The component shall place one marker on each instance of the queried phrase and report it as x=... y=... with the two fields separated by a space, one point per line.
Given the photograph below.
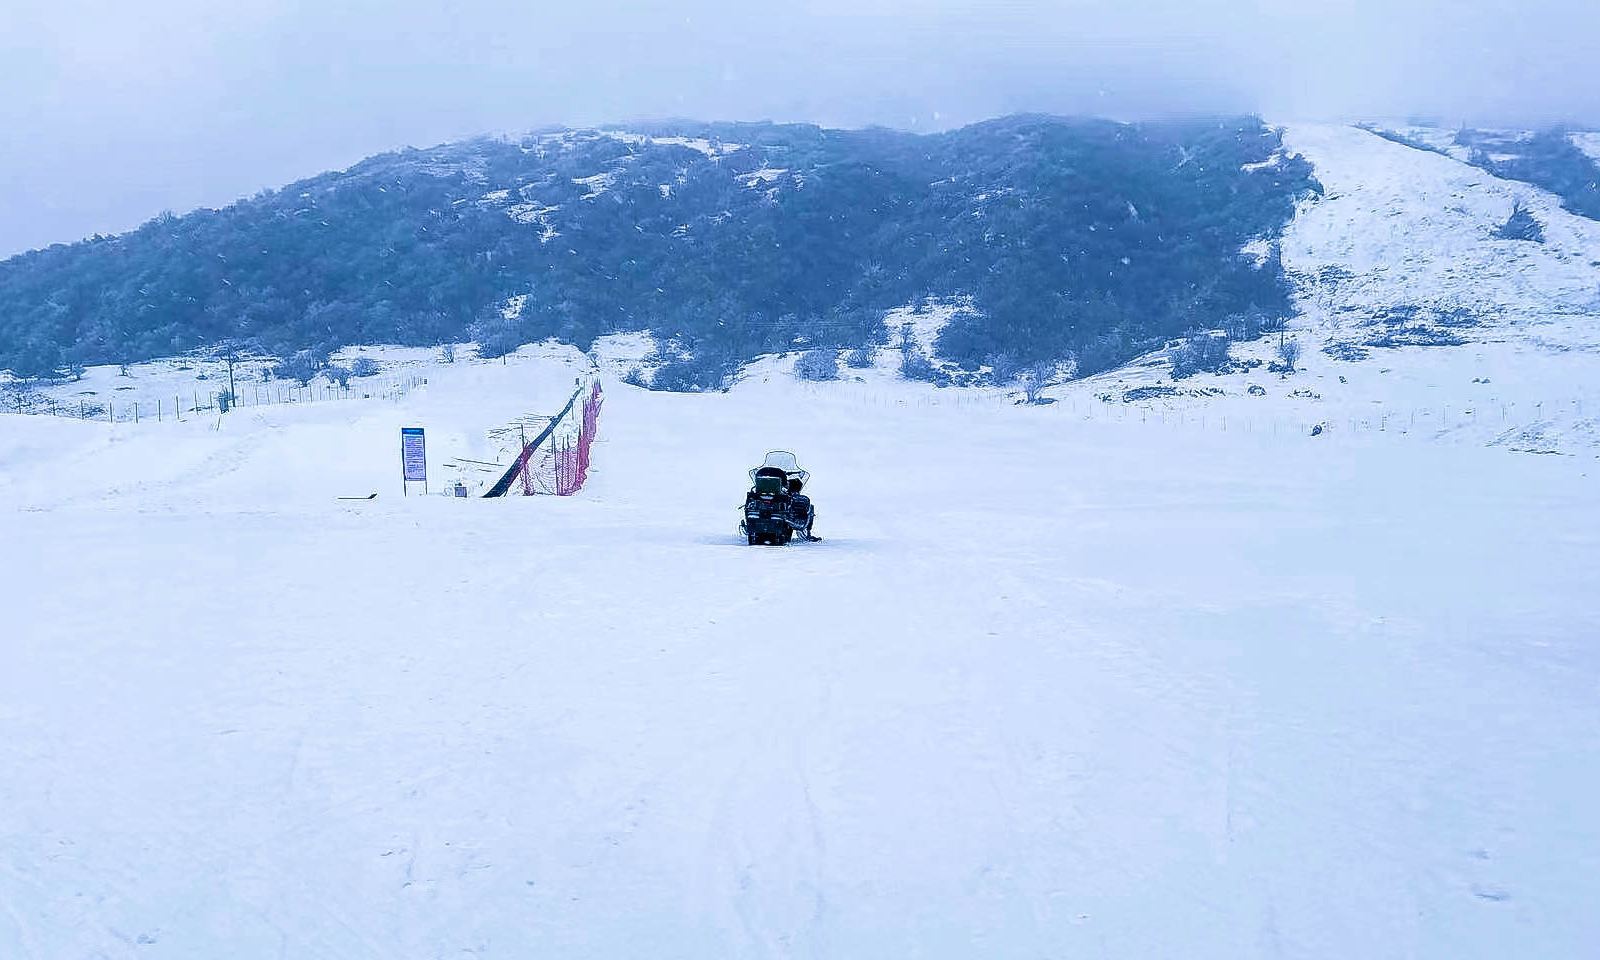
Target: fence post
x=83 y=411
x=135 y=411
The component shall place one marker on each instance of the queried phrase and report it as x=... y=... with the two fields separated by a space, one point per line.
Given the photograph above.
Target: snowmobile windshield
x=782 y=460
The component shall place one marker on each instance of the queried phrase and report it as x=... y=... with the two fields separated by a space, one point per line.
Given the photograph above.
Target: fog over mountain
x=114 y=112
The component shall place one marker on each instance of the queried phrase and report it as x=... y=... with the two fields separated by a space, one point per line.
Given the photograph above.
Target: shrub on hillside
x=915 y=365
x=496 y=337
x=1341 y=350
x=691 y=375
x=301 y=367
x=1289 y=352
x=1252 y=324
x=1003 y=368
x=859 y=359
x=1033 y=380
x=337 y=375
x=1202 y=353
x=1521 y=225
x=364 y=367
x=817 y=365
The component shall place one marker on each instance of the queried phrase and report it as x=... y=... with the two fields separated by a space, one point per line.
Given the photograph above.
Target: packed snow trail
x=1048 y=688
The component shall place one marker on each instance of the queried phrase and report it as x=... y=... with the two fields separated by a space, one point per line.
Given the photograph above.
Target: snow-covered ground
x=921 y=323
x=1052 y=685
x=1129 y=675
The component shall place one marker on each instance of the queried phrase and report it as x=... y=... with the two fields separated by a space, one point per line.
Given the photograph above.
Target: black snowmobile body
x=775 y=510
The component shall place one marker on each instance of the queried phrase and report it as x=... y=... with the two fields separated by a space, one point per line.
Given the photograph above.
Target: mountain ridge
x=1076 y=238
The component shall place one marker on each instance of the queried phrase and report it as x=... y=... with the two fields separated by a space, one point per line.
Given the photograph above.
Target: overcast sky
x=111 y=112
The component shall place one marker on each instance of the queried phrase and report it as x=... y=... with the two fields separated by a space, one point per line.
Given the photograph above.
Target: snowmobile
x=775 y=511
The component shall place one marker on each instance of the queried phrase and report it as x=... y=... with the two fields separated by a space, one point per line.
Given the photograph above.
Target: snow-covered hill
x=732 y=240
x=1132 y=674
x=1414 y=315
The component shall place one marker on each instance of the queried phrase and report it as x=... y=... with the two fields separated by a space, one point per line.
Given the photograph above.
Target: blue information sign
x=413 y=455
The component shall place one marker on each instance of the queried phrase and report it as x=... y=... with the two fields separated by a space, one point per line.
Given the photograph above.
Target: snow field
x=1049 y=686
x=1139 y=678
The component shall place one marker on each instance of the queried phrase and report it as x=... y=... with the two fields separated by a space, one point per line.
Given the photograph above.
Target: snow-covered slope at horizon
x=1052 y=686
x=1402 y=247
x=1412 y=227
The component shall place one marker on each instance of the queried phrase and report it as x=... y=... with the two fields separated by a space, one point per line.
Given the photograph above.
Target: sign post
x=413 y=459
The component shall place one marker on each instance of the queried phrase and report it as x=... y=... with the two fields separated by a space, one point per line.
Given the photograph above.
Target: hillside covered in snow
x=1080 y=239
x=1415 y=311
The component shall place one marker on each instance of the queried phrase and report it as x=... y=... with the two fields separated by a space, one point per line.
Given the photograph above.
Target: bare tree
x=1288 y=352
x=1033 y=379
x=229 y=352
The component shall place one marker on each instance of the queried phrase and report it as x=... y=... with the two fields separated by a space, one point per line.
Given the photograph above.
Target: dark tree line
x=1547 y=159
x=1072 y=237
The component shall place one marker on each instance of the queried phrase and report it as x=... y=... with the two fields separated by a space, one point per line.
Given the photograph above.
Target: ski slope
x=1055 y=684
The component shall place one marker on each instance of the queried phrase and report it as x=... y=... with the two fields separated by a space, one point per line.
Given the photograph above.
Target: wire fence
x=556 y=461
x=571 y=461
x=192 y=403
x=1487 y=418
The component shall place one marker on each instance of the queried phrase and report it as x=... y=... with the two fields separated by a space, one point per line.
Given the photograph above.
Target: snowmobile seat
x=770 y=481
